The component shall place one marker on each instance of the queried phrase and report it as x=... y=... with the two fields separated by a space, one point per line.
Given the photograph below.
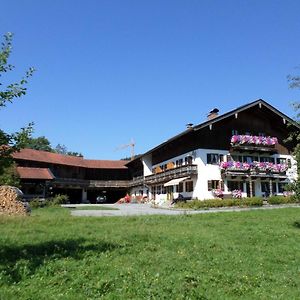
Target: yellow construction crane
x=131 y=145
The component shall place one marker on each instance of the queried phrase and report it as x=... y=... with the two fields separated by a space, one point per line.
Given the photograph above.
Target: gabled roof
x=245 y=107
x=35 y=173
x=224 y=116
x=67 y=160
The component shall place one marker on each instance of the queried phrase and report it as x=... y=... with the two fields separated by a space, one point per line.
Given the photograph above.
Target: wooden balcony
x=253 y=174
x=253 y=148
x=174 y=173
x=108 y=183
x=136 y=181
x=82 y=183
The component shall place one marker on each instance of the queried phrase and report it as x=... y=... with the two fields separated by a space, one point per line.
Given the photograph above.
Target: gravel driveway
x=146 y=209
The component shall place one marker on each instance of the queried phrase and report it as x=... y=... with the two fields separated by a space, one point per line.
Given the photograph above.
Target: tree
x=39 y=143
x=62 y=149
x=294 y=82
x=10 y=143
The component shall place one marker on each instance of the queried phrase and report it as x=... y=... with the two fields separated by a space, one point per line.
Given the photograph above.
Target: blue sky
x=109 y=71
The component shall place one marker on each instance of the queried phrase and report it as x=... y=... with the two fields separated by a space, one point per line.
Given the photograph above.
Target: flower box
x=237 y=140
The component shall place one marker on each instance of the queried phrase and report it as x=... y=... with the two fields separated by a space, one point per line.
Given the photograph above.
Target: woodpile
x=10 y=201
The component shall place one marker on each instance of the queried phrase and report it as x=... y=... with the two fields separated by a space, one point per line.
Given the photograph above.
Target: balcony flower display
x=218 y=193
x=253 y=140
x=255 y=166
x=235 y=165
x=237 y=194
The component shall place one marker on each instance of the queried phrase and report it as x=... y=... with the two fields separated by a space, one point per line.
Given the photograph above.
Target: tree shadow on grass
x=18 y=262
x=296 y=224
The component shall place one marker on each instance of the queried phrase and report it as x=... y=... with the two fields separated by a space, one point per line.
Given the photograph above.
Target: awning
x=175 y=181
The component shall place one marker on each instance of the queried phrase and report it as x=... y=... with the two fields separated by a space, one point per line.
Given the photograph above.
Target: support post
x=250 y=187
x=84 y=196
x=271 y=187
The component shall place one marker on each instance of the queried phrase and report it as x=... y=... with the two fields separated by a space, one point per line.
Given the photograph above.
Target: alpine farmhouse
x=243 y=151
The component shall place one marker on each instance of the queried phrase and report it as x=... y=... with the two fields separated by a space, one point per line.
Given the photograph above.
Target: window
x=234 y=132
x=237 y=158
x=250 y=159
x=281 y=161
x=189 y=186
x=214 y=185
x=281 y=187
x=261 y=134
x=188 y=160
x=179 y=187
x=235 y=185
x=179 y=162
x=289 y=163
x=213 y=158
x=267 y=159
x=265 y=187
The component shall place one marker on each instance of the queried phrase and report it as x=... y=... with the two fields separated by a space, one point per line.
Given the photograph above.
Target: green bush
x=253 y=201
x=282 y=199
x=58 y=200
x=213 y=203
x=35 y=203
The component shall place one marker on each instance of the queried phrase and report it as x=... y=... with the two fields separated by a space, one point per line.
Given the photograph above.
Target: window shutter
x=209 y=185
x=221 y=157
x=222 y=185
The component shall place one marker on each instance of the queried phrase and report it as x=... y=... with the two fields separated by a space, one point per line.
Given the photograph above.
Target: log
x=11 y=201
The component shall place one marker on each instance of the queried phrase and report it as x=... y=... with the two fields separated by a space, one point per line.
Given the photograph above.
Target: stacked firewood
x=10 y=201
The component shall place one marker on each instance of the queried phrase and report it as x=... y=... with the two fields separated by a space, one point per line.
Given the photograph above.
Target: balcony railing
x=91 y=183
x=136 y=181
x=260 y=169
x=253 y=143
x=109 y=183
x=174 y=173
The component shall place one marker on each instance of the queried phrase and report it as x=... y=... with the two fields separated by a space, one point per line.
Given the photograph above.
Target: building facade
x=244 y=152
x=44 y=174
x=241 y=153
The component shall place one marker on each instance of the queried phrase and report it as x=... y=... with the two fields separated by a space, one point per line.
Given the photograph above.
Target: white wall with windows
x=209 y=176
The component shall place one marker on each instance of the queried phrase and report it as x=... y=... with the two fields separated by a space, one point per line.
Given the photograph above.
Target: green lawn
x=246 y=255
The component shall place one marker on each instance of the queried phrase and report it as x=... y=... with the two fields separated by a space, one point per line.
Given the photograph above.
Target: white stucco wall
x=209 y=172
x=147 y=164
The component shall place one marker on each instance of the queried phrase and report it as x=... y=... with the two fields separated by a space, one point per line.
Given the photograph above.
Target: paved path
x=146 y=209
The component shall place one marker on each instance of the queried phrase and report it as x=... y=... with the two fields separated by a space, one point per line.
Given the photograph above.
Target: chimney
x=212 y=114
x=189 y=125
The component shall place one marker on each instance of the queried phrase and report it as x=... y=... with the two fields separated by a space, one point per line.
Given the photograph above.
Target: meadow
x=237 y=255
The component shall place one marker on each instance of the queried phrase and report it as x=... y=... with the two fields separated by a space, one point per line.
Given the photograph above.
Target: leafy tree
x=62 y=149
x=294 y=82
x=39 y=143
x=10 y=143
x=10 y=176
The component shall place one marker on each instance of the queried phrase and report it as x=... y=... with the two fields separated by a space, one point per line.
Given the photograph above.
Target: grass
x=246 y=255
x=99 y=207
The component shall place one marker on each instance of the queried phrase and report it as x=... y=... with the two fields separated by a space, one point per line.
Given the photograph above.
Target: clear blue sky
x=109 y=71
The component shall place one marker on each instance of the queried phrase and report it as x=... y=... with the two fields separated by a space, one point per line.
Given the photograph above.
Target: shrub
x=35 y=203
x=282 y=199
x=253 y=201
x=213 y=203
x=58 y=200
